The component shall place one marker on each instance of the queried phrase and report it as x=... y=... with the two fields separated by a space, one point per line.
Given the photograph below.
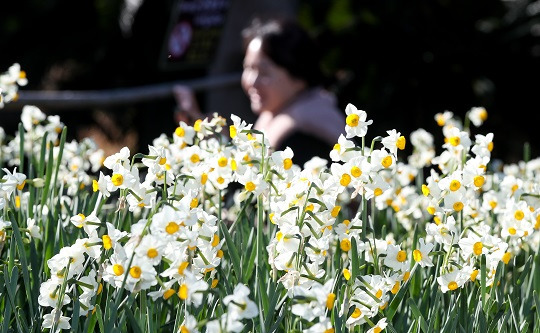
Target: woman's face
x=268 y=86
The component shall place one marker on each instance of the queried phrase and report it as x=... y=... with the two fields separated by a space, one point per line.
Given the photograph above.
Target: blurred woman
x=284 y=82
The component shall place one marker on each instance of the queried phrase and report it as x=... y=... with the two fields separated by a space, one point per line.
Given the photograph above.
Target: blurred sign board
x=193 y=35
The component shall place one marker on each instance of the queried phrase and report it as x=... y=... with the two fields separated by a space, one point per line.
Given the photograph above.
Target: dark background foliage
x=400 y=61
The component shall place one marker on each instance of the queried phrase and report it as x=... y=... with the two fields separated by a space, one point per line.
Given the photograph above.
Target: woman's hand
x=188 y=109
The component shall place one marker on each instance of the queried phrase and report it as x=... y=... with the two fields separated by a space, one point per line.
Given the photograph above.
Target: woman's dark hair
x=288 y=45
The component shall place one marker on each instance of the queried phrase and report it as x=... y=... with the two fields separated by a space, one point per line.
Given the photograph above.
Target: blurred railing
x=83 y=99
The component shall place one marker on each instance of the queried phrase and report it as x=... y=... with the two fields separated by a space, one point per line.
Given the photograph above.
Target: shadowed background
x=401 y=62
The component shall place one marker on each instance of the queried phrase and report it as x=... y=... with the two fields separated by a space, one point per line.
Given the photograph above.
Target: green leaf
x=233 y=251
x=41 y=166
x=21 y=147
x=483 y=277
x=10 y=281
x=355 y=261
x=249 y=264
x=525 y=271
x=45 y=192
x=59 y=157
x=418 y=315
x=75 y=315
x=537 y=304
x=133 y=323
x=24 y=263
x=273 y=297
x=392 y=308
x=23 y=325
x=99 y=316
x=278 y=320
x=495 y=320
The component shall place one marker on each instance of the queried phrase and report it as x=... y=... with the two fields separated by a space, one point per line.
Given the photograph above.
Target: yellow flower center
x=506 y=257
x=204 y=178
x=417 y=255
x=95 y=185
x=455 y=185
x=215 y=240
x=401 y=256
x=197 y=125
x=172 y=227
x=194 y=158
x=183 y=292
x=519 y=215
x=346 y=274
x=287 y=163
x=425 y=190
x=335 y=211
x=356 y=171
x=330 y=301
x=117 y=179
x=182 y=267
x=352 y=120
x=232 y=131
x=345 y=179
x=356 y=313
x=452 y=285
x=152 y=253
x=118 y=269
x=406 y=276
x=21 y=185
x=387 y=161
x=250 y=186
x=168 y=293
x=479 y=181
x=514 y=188
x=107 y=242
x=477 y=248
x=135 y=272
x=458 y=206
x=345 y=245
x=454 y=141
x=512 y=231
x=180 y=132
x=400 y=143
x=395 y=288
x=222 y=161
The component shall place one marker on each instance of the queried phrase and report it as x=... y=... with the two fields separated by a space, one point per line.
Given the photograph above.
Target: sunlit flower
x=239 y=305
x=56 y=318
x=477 y=115
x=452 y=281
x=356 y=124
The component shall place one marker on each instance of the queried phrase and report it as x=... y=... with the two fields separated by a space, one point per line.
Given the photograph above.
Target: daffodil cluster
x=341 y=236
x=10 y=82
